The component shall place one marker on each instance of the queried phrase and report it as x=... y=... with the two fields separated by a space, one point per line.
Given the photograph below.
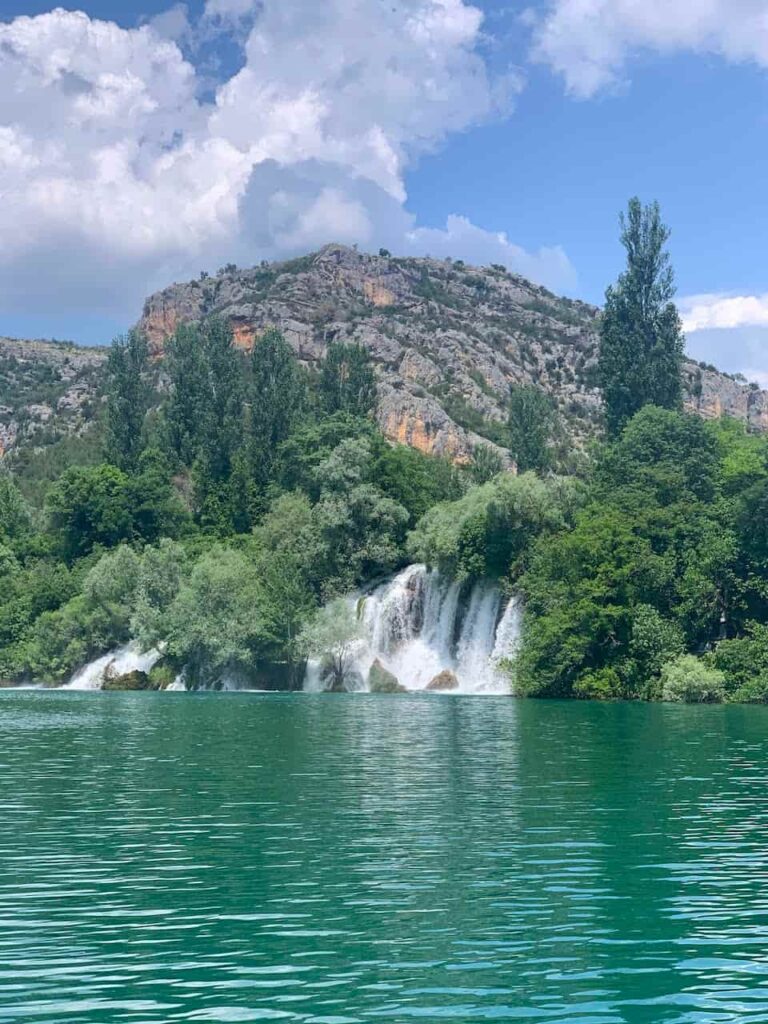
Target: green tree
x=360 y=530
x=127 y=400
x=15 y=517
x=205 y=418
x=488 y=531
x=156 y=509
x=90 y=506
x=347 y=381
x=213 y=625
x=655 y=641
x=276 y=399
x=690 y=680
x=111 y=587
x=331 y=637
x=163 y=569
x=221 y=416
x=641 y=340
x=486 y=464
x=654 y=565
x=531 y=423
x=184 y=410
x=413 y=479
x=286 y=551
x=222 y=445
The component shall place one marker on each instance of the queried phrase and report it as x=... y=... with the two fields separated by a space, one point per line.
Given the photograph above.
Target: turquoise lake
x=338 y=859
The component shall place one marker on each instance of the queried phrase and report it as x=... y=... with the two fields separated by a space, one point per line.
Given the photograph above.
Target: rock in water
x=445 y=680
x=136 y=680
x=381 y=680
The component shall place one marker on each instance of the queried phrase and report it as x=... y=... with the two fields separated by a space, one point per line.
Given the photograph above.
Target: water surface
x=174 y=857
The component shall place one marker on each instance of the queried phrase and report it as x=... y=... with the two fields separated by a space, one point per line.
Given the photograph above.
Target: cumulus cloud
x=706 y=312
x=120 y=167
x=730 y=331
x=460 y=237
x=589 y=42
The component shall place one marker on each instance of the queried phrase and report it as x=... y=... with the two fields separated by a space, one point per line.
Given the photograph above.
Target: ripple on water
x=338 y=861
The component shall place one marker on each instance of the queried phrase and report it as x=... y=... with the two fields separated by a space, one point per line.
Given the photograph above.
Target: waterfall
x=420 y=624
x=120 y=662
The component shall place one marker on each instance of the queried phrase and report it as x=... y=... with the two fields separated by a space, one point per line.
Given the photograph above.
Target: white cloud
x=121 y=169
x=590 y=41
x=331 y=214
x=706 y=312
x=460 y=237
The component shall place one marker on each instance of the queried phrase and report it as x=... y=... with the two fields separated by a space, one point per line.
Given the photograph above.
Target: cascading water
x=117 y=663
x=420 y=624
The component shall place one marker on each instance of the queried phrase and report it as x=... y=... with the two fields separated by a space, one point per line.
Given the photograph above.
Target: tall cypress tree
x=127 y=400
x=641 y=339
x=205 y=415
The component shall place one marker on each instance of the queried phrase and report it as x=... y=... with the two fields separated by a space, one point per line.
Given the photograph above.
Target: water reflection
x=331 y=860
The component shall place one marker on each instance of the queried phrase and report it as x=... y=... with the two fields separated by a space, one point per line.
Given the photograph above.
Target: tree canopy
x=641 y=340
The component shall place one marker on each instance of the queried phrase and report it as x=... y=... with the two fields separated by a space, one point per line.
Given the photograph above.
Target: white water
x=129 y=658
x=227 y=682
x=419 y=624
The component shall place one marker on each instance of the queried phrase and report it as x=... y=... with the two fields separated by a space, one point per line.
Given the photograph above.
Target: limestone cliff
x=447 y=340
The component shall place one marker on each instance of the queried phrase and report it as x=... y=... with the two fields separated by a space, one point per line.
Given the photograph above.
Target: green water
x=175 y=857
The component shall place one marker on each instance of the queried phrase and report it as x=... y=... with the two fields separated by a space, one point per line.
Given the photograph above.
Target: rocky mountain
x=48 y=389
x=447 y=340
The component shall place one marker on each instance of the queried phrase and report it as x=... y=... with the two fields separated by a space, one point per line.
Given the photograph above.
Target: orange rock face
x=158 y=326
x=407 y=427
x=377 y=294
x=244 y=336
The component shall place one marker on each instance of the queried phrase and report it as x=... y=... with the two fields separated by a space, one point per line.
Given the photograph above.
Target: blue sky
x=534 y=121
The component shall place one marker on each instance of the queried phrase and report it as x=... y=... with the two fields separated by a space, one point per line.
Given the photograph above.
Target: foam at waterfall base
x=419 y=624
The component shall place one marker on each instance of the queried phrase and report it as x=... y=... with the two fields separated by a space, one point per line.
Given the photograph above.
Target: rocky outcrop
x=46 y=388
x=446 y=340
x=443 y=681
x=136 y=680
x=381 y=680
x=712 y=395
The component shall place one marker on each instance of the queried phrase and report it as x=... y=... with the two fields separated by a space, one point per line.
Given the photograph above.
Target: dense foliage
x=234 y=495
x=229 y=500
x=531 y=423
x=648 y=579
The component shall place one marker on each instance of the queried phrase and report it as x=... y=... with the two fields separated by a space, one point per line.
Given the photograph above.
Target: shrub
x=753 y=692
x=743 y=659
x=162 y=675
x=490 y=527
x=602 y=684
x=689 y=680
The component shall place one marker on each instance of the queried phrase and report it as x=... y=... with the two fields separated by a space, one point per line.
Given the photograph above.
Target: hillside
x=48 y=390
x=447 y=340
